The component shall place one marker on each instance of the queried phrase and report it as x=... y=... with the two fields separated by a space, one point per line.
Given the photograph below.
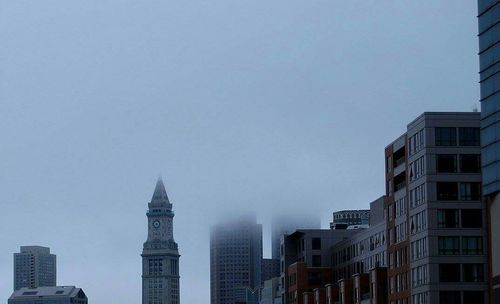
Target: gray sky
x=240 y=105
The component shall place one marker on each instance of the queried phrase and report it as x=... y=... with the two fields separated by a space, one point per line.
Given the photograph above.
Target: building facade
x=345 y=218
x=309 y=246
x=270 y=293
x=436 y=227
x=489 y=63
x=160 y=255
x=34 y=266
x=235 y=261
x=288 y=224
x=270 y=269
x=364 y=250
x=49 y=295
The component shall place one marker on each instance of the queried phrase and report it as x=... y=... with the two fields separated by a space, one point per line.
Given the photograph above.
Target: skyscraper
x=235 y=261
x=34 y=267
x=160 y=256
x=489 y=63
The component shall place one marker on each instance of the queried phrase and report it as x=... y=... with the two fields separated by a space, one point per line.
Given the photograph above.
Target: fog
x=242 y=106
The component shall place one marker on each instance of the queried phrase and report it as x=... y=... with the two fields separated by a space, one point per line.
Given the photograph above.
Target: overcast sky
x=239 y=105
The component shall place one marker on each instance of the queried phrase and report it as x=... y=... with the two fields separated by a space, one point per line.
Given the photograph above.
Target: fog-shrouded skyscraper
x=235 y=260
x=160 y=256
x=489 y=78
x=34 y=267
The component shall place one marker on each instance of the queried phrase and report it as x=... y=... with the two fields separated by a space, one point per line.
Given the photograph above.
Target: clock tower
x=160 y=255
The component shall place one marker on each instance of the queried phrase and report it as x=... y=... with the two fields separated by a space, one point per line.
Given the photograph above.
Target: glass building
x=489 y=66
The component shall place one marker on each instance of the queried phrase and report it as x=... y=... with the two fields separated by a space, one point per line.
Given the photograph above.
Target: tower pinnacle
x=160 y=194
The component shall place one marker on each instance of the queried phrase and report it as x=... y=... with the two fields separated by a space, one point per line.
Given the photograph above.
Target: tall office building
x=34 y=267
x=436 y=240
x=489 y=63
x=160 y=256
x=235 y=261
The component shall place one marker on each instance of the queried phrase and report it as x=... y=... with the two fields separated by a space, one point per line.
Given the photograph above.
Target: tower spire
x=160 y=194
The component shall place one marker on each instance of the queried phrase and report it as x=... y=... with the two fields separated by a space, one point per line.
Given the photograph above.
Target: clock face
x=156 y=224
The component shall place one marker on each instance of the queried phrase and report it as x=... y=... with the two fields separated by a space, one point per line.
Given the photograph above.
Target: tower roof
x=160 y=194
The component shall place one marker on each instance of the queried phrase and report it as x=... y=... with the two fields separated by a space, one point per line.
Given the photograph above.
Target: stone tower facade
x=160 y=255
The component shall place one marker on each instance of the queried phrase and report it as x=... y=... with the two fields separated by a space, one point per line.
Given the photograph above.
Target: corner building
x=489 y=65
x=436 y=220
x=160 y=256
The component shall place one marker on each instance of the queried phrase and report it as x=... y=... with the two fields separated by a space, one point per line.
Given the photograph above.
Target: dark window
x=470 y=163
x=472 y=245
x=449 y=245
x=314 y=278
x=446 y=136
x=446 y=163
x=449 y=273
x=474 y=297
x=316 y=261
x=447 y=191
x=470 y=191
x=472 y=218
x=447 y=218
x=450 y=297
x=316 y=243
x=473 y=273
x=469 y=136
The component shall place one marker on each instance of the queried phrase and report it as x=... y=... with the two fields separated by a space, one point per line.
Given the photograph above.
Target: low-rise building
x=49 y=295
x=303 y=281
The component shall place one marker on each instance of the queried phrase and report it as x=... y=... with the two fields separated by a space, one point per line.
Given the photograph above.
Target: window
x=447 y=191
x=450 y=297
x=470 y=163
x=418 y=222
x=469 y=136
x=417 y=196
x=446 y=136
x=449 y=273
x=449 y=245
x=473 y=272
x=470 y=191
x=314 y=278
x=474 y=297
x=446 y=163
x=472 y=218
x=316 y=243
x=417 y=169
x=416 y=142
x=316 y=261
x=472 y=245
x=447 y=218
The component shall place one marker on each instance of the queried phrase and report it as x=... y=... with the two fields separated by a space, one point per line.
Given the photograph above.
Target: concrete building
x=160 y=255
x=436 y=228
x=489 y=62
x=364 y=250
x=282 y=225
x=235 y=260
x=309 y=246
x=34 y=266
x=49 y=295
x=345 y=218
